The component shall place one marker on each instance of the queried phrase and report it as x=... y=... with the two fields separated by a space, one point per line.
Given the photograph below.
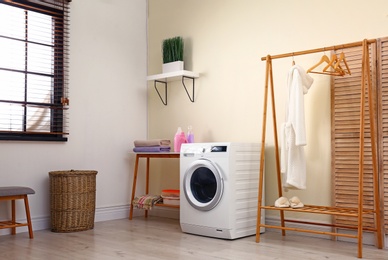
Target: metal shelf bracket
x=164 y=78
x=164 y=101
x=165 y=91
x=184 y=85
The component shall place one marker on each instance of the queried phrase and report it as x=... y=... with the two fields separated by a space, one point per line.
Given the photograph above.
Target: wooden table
x=148 y=156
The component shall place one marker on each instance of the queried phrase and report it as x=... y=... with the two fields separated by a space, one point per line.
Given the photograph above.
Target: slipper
x=296 y=203
x=282 y=202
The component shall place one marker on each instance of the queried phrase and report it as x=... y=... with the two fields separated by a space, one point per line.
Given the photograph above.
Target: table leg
x=147 y=181
x=13 y=230
x=134 y=186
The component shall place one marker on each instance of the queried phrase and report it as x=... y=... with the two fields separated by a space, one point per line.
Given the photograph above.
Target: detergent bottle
x=190 y=134
x=179 y=139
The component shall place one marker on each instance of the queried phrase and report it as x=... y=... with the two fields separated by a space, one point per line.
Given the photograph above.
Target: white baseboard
x=111 y=213
x=101 y=214
x=165 y=212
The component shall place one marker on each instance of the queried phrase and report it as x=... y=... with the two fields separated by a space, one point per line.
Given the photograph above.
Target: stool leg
x=13 y=230
x=28 y=216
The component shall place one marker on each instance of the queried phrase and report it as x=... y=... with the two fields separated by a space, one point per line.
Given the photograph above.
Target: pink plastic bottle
x=179 y=139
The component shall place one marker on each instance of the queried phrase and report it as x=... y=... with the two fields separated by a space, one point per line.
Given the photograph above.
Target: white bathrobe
x=293 y=132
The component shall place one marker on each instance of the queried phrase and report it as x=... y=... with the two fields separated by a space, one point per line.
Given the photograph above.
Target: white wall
x=108 y=110
x=225 y=40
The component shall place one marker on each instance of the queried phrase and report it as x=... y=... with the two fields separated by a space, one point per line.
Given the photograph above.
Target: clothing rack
x=328 y=210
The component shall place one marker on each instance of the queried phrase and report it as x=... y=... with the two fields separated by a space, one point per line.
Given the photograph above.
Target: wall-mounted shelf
x=164 y=78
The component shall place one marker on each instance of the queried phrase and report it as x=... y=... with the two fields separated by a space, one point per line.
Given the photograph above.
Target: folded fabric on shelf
x=146 y=201
x=152 y=142
x=152 y=149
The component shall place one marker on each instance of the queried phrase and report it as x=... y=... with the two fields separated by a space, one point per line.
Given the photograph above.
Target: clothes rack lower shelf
x=350 y=212
x=347 y=212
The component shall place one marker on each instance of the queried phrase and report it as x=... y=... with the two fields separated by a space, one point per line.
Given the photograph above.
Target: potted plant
x=172 y=49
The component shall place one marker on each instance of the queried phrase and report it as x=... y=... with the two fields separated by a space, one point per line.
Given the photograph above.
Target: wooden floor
x=161 y=238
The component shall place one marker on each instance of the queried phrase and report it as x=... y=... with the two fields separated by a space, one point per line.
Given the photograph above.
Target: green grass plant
x=172 y=49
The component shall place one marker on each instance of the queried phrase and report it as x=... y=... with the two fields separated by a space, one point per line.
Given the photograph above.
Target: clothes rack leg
x=262 y=155
x=275 y=133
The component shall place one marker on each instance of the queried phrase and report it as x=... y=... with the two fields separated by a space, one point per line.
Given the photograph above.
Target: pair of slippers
x=294 y=202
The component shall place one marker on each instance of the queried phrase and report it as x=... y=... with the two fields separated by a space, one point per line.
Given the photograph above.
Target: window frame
x=59 y=100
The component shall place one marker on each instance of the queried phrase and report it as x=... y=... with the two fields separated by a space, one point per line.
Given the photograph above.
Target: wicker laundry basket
x=72 y=199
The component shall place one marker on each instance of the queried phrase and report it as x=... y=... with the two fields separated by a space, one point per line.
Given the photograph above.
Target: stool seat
x=13 y=193
x=15 y=190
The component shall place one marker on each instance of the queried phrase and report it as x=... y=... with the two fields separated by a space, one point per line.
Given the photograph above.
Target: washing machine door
x=203 y=184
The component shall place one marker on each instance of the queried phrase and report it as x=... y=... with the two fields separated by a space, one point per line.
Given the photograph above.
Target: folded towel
x=151 y=149
x=153 y=142
x=146 y=201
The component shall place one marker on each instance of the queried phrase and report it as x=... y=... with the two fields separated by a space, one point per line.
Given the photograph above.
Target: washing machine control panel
x=218 y=148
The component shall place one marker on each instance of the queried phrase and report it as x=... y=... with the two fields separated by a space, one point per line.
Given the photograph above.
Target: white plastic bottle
x=190 y=135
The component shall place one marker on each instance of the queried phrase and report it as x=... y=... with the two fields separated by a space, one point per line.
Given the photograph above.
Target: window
x=33 y=70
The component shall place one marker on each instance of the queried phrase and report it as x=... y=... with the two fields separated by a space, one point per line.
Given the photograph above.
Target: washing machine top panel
x=205 y=149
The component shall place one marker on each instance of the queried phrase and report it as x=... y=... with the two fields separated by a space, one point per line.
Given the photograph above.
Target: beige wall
x=225 y=40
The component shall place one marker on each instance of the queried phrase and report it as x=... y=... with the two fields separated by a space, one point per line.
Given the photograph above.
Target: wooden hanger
x=323 y=60
x=334 y=64
x=342 y=59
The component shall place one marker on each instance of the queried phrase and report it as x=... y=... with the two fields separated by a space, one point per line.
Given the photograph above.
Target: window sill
x=44 y=138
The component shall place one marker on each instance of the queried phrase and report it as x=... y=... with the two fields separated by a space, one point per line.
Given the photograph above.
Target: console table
x=148 y=156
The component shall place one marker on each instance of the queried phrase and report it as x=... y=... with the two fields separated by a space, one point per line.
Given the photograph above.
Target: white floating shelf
x=173 y=76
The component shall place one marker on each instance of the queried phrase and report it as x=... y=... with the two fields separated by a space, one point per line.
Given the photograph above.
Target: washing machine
x=219 y=189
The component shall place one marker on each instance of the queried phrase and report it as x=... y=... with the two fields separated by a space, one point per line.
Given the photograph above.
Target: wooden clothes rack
x=349 y=212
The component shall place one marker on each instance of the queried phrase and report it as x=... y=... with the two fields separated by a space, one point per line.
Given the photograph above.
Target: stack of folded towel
x=154 y=145
x=146 y=201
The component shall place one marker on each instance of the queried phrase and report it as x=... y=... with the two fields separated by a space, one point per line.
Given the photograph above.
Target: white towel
x=293 y=133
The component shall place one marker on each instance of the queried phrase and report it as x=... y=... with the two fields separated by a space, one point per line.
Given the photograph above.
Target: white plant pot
x=173 y=66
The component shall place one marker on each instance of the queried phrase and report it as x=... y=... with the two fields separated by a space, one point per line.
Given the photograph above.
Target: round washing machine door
x=203 y=184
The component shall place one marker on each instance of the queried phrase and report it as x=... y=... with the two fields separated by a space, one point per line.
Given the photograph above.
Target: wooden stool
x=15 y=193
